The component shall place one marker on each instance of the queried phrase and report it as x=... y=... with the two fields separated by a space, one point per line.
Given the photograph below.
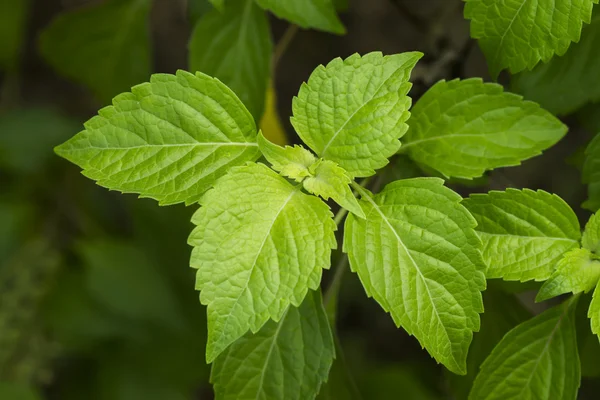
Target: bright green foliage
x=292 y=162
x=318 y=14
x=168 y=139
x=536 y=360
x=353 y=111
x=463 y=128
x=503 y=312
x=259 y=245
x=13 y=15
x=566 y=83
x=591 y=174
x=517 y=34
x=591 y=235
x=576 y=272
x=330 y=180
x=594 y=311
x=418 y=255
x=286 y=360
x=235 y=47
x=320 y=177
x=524 y=232
x=104 y=47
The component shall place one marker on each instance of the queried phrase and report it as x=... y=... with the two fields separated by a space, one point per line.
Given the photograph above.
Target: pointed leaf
x=502 y=313
x=517 y=34
x=318 y=14
x=353 y=111
x=536 y=360
x=235 y=47
x=330 y=180
x=292 y=162
x=105 y=47
x=524 y=232
x=259 y=245
x=591 y=234
x=285 y=360
x=576 y=272
x=591 y=174
x=594 y=311
x=463 y=128
x=418 y=255
x=566 y=83
x=168 y=139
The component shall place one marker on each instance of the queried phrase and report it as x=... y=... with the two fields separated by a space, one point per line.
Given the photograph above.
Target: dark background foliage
x=96 y=297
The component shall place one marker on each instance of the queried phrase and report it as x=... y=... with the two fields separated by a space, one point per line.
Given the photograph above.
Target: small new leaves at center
x=320 y=177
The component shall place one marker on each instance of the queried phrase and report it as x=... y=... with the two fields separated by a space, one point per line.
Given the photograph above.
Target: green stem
x=334 y=288
x=359 y=188
x=340 y=216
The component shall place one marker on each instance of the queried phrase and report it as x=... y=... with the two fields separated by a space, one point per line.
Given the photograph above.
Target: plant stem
x=282 y=45
x=340 y=216
x=360 y=189
x=334 y=288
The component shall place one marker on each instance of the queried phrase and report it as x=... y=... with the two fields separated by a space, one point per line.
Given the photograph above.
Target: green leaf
x=285 y=360
x=418 y=255
x=198 y=8
x=169 y=139
x=259 y=245
x=536 y=360
x=587 y=341
x=353 y=111
x=330 y=180
x=502 y=313
x=318 y=14
x=13 y=17
x=105 y=47
x=591 y=174
x=340 y=383
x=235 y=47
x=463 y=128
x=576 y=272
x=566 y=83
x=517 y=34
x=591 y=234
x=292 y=162
x=594 y=311
x=524 y=232
x=320 y=177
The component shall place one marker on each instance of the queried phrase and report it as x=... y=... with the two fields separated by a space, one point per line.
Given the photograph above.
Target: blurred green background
x=96 y=297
